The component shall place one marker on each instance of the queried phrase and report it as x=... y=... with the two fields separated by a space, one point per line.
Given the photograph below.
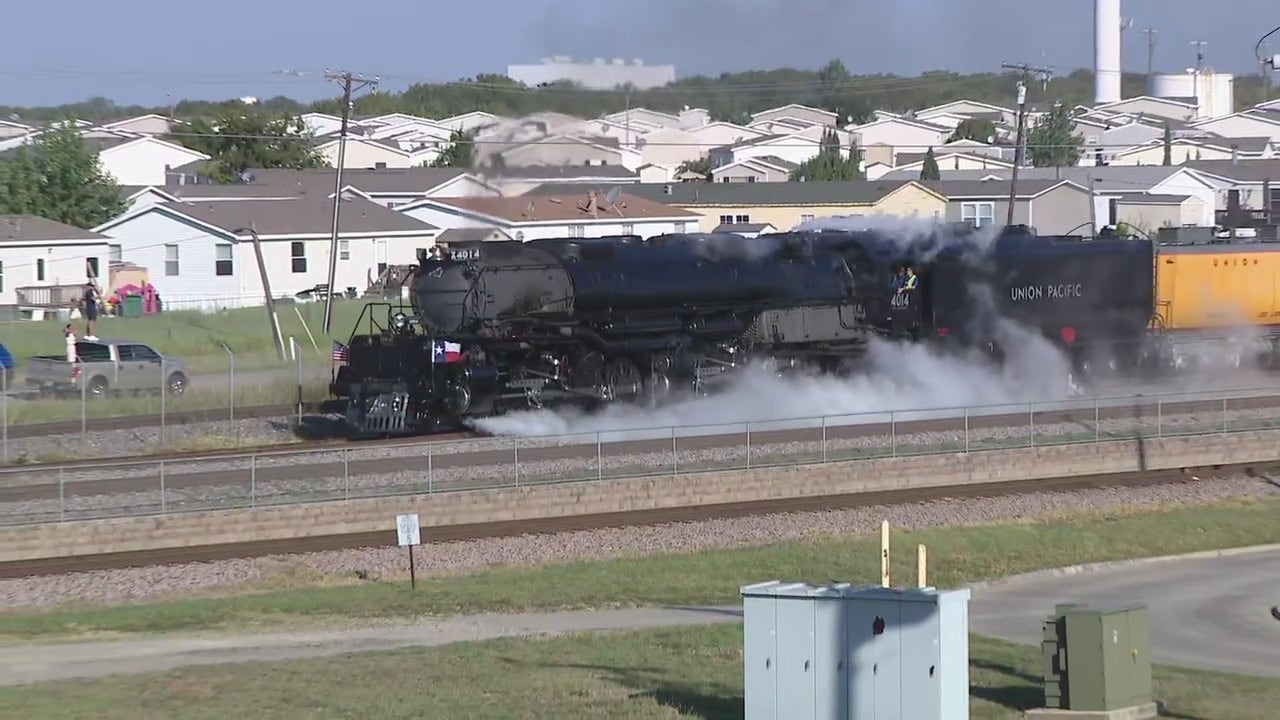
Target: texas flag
x=445 y=352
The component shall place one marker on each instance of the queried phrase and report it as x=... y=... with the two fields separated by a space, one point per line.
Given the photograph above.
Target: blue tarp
x=6 y=358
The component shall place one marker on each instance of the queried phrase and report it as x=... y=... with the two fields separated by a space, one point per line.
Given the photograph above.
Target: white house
x=531 y=217
x=644 y=117
x=372 y=154
x=966 y=109
x=1184 y=150
x=817 y=116
x=795 y=147
x=141 y=160
x=1244 y=125
x=37 y=254
x=200 y=255
x=474 y=120
x=151 y=124
x=1253 y=179
x=571 y=150
x=10 y=129
x=767 y=168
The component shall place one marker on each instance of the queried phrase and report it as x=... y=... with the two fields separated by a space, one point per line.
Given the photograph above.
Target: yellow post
x=884 y=554
x=921 y=563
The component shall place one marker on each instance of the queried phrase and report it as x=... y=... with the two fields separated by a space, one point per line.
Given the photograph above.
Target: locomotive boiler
x=587 y=321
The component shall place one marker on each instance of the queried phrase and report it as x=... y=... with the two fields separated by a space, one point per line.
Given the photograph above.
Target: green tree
x=830 y=164
x=1168 y=145
x=461 y=152
x=241 y=137
x=1053 y=141
x=977 y=129
x=59 y=177
x=929 y=170
x=701 y=166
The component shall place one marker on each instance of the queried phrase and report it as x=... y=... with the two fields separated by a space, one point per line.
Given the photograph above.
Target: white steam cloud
x=924 y=236
x=897 y=377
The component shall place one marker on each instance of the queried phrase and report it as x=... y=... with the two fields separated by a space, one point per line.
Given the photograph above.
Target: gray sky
x=140 y=51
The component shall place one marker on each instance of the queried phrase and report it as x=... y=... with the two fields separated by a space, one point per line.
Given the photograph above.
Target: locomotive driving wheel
x=622 y=380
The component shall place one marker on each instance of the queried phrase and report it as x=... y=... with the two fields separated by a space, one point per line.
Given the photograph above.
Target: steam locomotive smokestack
x=1106 y=51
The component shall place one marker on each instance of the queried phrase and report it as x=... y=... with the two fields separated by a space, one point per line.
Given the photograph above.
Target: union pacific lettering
x=1041 y=292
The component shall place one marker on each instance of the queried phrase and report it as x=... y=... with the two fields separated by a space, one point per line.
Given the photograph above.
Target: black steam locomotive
x=502 y=326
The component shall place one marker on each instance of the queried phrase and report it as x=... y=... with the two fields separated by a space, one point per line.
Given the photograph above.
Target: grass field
x=956 y=556
x=686 y=673
x=195 y=337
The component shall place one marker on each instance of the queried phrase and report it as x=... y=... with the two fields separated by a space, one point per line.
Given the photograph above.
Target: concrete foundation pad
x=1133 y=712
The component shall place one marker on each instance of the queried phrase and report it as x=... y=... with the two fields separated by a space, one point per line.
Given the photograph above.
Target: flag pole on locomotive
x=338 y=355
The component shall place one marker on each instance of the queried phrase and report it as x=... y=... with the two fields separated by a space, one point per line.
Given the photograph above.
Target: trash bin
x=132 y=306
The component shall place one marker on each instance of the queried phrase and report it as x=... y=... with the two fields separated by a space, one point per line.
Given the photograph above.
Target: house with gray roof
x=1109 y=183
x=1255 y=182
x=1052 y=207
x=200 y=254
x=40 y=257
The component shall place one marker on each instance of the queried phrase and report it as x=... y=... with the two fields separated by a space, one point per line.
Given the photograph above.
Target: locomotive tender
x=587 y=321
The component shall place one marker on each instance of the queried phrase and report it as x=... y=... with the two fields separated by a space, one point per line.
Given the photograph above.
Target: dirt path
x=61 y=661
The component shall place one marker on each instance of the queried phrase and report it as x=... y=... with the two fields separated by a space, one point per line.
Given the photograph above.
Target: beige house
x=966 y=109
x=1167 y=108
x=882 y=140
x=811 y=115
x=1184 y=150
x=768 y=168
x=1052 y=207
x=570 y=150
x=669 y=147
x=1244 y=124
x=951 y=161
x=1149 y=213
x=376 y=154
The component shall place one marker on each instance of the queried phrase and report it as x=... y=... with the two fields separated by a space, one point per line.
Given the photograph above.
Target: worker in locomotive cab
x=909 y=282
x=899 y=277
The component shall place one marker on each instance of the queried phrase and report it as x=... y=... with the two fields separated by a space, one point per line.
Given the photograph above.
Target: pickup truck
x=107 y=367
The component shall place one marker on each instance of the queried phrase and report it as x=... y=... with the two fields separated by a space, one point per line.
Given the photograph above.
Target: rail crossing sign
x=409 y=534
x=408 y=531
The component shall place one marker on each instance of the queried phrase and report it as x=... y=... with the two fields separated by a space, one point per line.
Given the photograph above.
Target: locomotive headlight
x=399 y=320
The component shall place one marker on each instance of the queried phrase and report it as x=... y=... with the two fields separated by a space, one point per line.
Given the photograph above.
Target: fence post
x=966 y=429
x=1224 y=416
x=748 y=446
x=824 y=438
x=515 y=456
x=164 y=506
x=599 y=458
x=675 y=456
x=253 y=480
x=62 y=495
x=893 y=434
x=346 y=476
x=84 y=408
x=231 y=382
x=4 y=401
x=163 y=382
x=1097 y=432
x=430 y=470
x=1159 y=418
x=1031 y=421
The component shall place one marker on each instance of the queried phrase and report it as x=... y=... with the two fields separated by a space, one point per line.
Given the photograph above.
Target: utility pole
x=350 y=83
x=1199 y=55
x=1018 y=150
x=1151 y=54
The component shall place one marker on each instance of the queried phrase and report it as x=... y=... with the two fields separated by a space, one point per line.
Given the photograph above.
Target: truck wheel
x=176 y=384
x=98 y=387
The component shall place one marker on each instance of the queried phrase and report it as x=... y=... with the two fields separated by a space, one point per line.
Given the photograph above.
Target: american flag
x=339 y=352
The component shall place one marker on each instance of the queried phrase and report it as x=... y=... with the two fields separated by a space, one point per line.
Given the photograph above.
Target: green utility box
x=132 y=306
x=1096 y=658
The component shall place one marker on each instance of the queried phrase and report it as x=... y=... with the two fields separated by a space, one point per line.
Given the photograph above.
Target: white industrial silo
x=1214 y=92
x=1107 y=28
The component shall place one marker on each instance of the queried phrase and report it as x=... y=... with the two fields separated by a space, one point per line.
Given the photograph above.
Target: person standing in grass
x=92 y=300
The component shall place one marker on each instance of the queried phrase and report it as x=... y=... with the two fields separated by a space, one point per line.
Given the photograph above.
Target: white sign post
x=409 y=534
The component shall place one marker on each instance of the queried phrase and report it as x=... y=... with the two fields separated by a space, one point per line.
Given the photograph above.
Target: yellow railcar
x=1217 y=287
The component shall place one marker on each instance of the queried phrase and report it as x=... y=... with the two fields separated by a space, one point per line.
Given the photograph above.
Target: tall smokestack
x=1106 y=51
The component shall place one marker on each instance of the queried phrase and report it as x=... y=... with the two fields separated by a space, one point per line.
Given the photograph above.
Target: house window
x=222 y=260
x=751 y=178
x=114 y=254
x=742 y=219
x=577 y=231
x=679 y=226
x=1275 y=202
x=724 y=179
x=978 y=214
x=344 y=249
x=171 y=260
x=726 y=219
x=91 y=267
x=39 y=269
x=806 y=218
x=628 y=229
x=298 y=252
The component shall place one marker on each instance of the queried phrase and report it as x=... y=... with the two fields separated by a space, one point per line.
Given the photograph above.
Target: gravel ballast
x=454 y=558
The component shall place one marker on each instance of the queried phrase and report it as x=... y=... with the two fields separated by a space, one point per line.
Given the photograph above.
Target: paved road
x=62 y=661
x=1211 y=613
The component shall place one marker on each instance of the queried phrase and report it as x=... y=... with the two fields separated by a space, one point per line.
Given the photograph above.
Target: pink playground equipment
x=147 y=292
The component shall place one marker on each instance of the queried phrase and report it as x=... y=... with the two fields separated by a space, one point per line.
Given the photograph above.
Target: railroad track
x=177 y=417
x=41 y=482
x=452 y=533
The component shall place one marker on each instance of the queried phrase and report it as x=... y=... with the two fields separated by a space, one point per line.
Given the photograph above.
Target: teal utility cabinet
x=1097 y=658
